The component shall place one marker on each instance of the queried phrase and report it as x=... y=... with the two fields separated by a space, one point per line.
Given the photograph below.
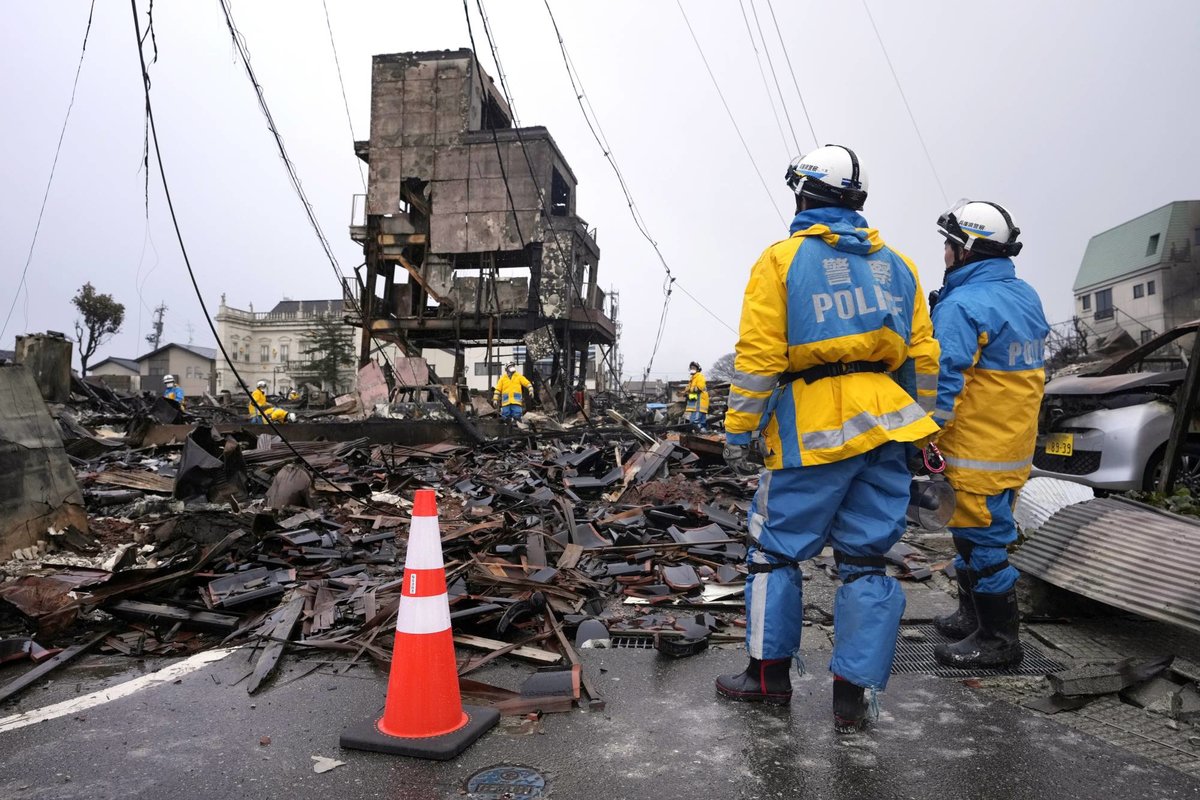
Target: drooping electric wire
x=341 y=83
x=792 y=70
x=907 y=107
x=771 y=63
x=763 y=74
x=729 y=112
x=50 y=180
x=208 y=318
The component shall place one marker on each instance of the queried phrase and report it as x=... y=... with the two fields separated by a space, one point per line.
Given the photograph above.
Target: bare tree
x=100 y=318
x=722 y=369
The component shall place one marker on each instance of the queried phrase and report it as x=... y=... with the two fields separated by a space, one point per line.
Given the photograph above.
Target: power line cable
x=593 y=123
x=774 y=77
x=907 y=107
x=342 y=84
x=728 y=111
x=711 y=313
x=791 y=69
x=763 y=74
x=153 y=138
x=50 y=181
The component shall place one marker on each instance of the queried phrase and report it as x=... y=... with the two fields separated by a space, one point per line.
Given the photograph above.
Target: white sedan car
x=1109 y=428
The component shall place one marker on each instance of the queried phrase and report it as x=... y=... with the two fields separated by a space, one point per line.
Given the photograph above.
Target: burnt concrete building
x=469 y=224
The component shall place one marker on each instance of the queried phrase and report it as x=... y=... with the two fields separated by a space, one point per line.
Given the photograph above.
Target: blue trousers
x=857 y=506
x=700 y=419
x=983 y=527
x=513 y=411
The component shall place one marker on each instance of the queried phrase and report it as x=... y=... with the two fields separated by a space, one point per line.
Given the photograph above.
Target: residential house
x=123 y=374
x=192 y=366
x=1140 y=278
x=481 y=374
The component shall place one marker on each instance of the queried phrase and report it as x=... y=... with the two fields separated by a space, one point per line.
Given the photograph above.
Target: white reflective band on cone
x=424 y=544
x=423 y=614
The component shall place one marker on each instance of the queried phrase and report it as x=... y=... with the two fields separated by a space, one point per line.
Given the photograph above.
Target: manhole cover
x=506 y=781
x=915 y=656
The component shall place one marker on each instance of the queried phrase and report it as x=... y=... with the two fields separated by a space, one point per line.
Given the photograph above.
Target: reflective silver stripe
x=756 y=619
x=943 y=415
x=756 y=615
x=754 y=383
x=747 y=405
x=926 y=383
x=860 y=424
x=987 y=466
x=927 y=402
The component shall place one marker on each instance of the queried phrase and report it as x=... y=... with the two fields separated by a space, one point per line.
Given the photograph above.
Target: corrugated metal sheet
x=1123 y=553
x=1041 y=498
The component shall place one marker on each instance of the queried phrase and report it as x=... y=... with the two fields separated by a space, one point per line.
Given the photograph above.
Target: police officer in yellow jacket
x=261 y=410
x=836 y=369
x=992 y=332
x=696 y=408
x=510 y=392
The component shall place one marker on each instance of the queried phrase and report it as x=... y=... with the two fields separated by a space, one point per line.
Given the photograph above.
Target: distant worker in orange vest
x=510 y=390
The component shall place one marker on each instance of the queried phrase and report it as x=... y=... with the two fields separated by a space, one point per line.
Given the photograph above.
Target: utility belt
x=832 y=370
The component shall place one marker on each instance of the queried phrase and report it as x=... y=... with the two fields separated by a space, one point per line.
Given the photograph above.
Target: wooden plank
x=528 y=653
x=37 y=673
x=273 y=652
x=161 y=611
x=570 y=556
x=137 y=479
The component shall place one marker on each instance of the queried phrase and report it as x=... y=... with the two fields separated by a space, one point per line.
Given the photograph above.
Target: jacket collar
x=840 y=228
x=985 y=271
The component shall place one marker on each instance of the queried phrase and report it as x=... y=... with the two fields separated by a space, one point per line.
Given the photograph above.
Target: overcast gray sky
x=1075 y=115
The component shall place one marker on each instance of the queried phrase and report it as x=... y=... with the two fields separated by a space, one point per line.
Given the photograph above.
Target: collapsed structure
x=470 y=231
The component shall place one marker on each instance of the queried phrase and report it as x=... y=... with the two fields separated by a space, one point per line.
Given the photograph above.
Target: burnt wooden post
x=1184 y=411
x=367 y=305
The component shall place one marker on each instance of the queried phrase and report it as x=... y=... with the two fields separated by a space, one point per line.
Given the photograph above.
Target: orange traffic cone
x=423 y=715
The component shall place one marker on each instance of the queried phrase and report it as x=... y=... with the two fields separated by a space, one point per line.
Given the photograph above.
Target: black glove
x=737 y=457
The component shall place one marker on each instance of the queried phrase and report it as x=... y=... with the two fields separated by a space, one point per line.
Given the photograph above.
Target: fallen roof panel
x=1122 y=553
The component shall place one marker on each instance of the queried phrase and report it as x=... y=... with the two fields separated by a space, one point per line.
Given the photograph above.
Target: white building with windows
x=270 y=345
x=1142 y=277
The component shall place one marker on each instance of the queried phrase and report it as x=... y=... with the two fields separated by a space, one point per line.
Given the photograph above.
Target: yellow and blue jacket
x=696 y=394
x=832 y=292
x=509 y=390
x=993 y=333
x=175 y=393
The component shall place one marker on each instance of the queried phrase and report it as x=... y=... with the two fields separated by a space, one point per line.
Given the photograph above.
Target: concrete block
x=1160 y=695
x=40 y=490
x=419 y=122
x=447 y=233
x=47 y=356
x=417 y=162
x=450 y=197
x=451 y=163
x=487 y=194
x=483 y=232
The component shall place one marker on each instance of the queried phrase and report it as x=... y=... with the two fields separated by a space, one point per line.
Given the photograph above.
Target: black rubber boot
x=849 y=706
x=963 y=622
x=995 y=644
x=766 y=681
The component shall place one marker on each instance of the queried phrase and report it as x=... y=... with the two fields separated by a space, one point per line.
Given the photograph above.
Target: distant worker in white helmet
x=173 y=391
x=992 y=332
x=261 y=409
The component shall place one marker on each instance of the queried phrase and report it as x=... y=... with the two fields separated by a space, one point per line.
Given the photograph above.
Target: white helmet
x=261 y=385
x=511 y=366
x=830 y=174
x=982 y=228
x=168 y=378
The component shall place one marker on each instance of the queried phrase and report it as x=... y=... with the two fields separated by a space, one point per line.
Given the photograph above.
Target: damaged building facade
x=469 y=226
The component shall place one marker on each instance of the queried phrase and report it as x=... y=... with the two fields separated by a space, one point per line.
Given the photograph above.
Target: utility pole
x=191 y=330
x=156 y=338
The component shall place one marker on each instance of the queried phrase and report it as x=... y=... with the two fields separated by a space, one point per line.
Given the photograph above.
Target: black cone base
x=367 y=736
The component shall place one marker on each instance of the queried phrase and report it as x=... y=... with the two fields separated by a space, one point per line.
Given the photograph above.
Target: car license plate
x=1060 y=444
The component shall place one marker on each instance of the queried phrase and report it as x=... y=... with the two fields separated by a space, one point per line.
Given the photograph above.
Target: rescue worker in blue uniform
x=836 y=371
x=172 y=391
x=992 y=332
